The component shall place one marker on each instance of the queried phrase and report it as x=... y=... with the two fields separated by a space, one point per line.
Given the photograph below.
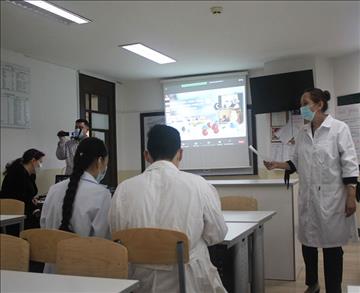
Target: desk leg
x=241 y=267
x=22 y=225
x=257 y=284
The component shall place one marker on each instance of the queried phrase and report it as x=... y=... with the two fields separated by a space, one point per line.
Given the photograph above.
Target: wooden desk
x=257 y=245
x=12 y=281
x=7 y=220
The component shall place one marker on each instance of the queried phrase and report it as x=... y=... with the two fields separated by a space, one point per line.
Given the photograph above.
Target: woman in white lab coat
x=81 y=204
x=326 y=162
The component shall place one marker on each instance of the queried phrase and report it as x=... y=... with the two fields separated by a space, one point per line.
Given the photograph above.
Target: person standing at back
x=165 y=197
x=66 y=148
x=325 y=160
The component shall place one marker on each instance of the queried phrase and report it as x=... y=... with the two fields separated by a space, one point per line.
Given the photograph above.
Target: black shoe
x=313 y=289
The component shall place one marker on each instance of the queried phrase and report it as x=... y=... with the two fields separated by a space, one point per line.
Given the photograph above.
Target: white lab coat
x=90 y=209
x=322 y=162
x=166 y=197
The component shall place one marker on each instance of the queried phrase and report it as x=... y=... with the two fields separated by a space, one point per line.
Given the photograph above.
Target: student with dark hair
x=326 y=162
x=80 y=204
x=66 y=148
x=165 y=197
x=19 y=183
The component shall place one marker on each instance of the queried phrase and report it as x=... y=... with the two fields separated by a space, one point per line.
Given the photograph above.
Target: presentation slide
x=212 y=123
x=207 y=115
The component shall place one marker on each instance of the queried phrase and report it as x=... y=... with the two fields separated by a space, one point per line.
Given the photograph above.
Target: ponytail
x=67 y=208
x=11 y=165
x=89 y=150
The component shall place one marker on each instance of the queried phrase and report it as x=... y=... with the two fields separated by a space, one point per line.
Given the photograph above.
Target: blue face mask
x=306 y=113
x=101 y=176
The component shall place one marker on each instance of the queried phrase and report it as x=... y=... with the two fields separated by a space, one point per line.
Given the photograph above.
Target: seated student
x=165 y=197
x=19 y=183
x=80 y=204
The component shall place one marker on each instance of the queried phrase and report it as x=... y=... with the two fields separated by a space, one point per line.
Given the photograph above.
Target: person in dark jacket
x=19 y=183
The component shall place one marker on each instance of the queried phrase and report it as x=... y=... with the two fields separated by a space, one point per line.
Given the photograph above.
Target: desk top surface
x=237 y=232
x=12 y=281
x=11 y=217
x=259 y=217
x=252 y=182
x=353 y=289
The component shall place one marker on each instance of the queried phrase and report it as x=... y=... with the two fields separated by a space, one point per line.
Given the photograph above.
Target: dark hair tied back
x=317 y=95
x=327 y=95
x=89 y=150
x=26 y=158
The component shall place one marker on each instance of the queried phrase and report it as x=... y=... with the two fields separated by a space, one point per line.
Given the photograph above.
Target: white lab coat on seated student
x=165 y=197
x=90 y=209
x=322 y=162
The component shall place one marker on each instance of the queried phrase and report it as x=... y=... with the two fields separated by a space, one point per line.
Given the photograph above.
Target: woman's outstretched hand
x=270 y=165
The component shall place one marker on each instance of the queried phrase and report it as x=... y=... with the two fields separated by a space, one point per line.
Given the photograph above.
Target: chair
x=14 y=253
x=156 y=246
x=43 y=243
x=92 y=257
x=11 y=207
x=238 y=203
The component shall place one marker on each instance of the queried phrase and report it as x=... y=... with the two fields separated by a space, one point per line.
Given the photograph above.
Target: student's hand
x=61 y=133
x=35 y=200
x=350 y=206
x=270 y=165
x=37 y=213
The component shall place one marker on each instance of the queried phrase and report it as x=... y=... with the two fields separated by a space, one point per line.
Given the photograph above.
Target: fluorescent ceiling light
x=148 y=53
x=66 y=16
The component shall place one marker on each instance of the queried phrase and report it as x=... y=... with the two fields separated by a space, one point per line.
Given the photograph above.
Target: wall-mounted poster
x=15 y=96
x=348 y=110
x=148 y=120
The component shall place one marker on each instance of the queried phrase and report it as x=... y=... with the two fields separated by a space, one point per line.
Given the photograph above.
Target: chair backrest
x=10 y=206
x=14 y=253
x=152 y=245
x=43 y=243
x=92 y=257
x=238 y=203
x=156 y=246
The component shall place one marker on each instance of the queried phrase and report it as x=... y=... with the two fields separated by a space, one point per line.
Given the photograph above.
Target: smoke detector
x=216 y=10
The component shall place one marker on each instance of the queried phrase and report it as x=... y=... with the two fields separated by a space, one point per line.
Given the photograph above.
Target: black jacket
x=19 y=184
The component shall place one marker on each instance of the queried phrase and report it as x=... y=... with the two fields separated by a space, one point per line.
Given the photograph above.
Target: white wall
x=53 y=106
x=347 y=74
x=325 y=81
x=289 y=65
x=134 y=98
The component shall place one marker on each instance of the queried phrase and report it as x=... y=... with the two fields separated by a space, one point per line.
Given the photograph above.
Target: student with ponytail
x=80 y=204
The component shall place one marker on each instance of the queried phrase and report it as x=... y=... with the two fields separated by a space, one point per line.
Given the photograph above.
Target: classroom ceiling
x=246 y=35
